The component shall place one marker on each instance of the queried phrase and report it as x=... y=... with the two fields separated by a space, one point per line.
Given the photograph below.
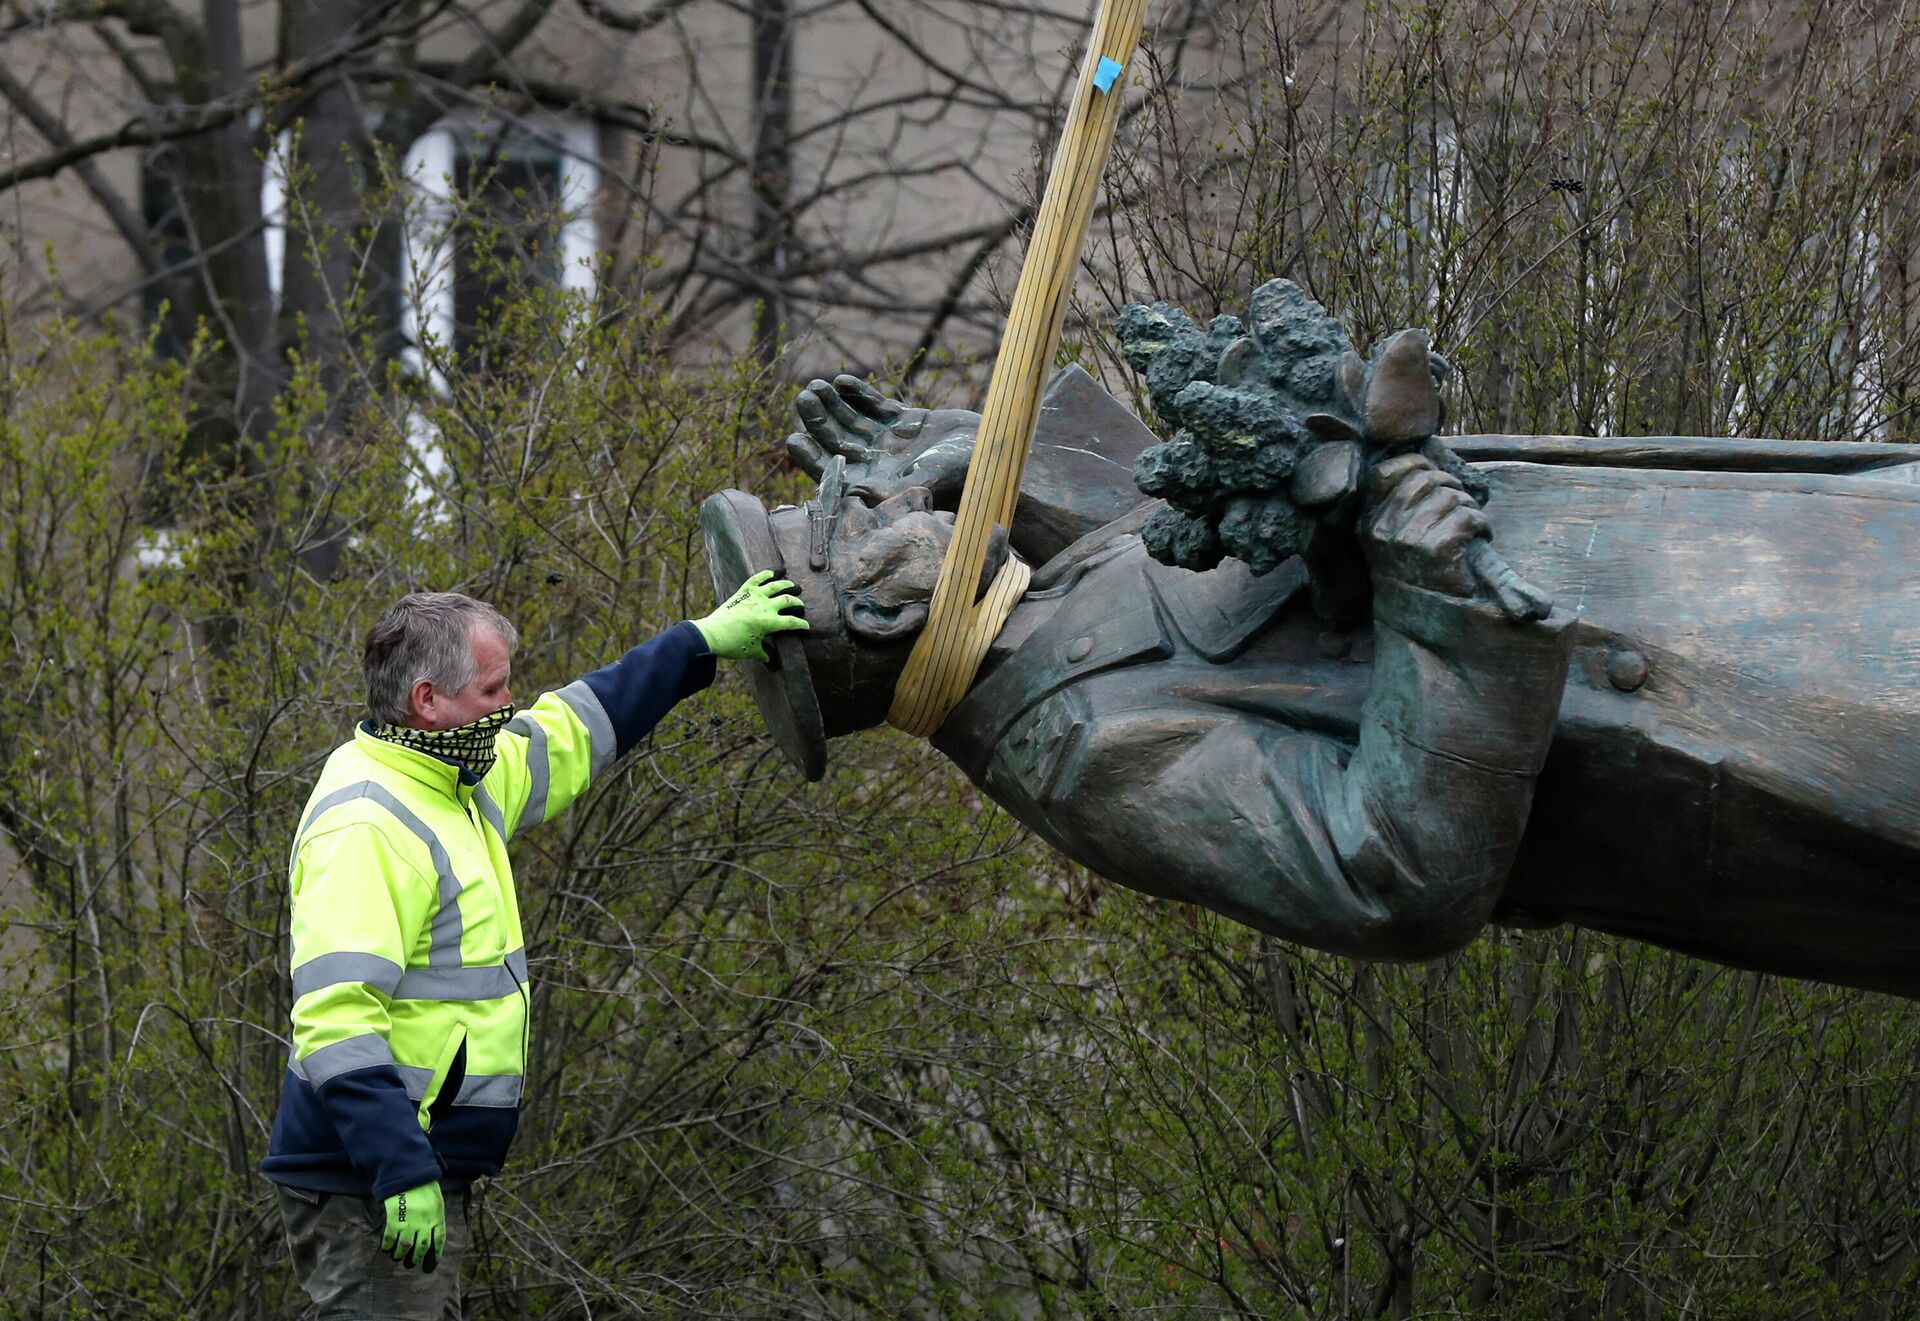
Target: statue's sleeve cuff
x=1457 y=678
x=1446 y=623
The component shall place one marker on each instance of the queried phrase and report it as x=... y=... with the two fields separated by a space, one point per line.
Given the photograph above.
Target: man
x=1730 y=767
x=409 y=971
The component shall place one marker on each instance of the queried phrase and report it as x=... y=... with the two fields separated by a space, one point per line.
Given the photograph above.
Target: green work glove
x=735 y=630
x=416 y=1227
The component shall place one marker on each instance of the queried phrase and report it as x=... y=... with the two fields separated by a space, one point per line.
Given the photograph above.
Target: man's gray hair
x=427 y=635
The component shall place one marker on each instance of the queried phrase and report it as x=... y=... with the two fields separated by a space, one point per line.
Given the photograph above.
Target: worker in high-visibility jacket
x=409 y=968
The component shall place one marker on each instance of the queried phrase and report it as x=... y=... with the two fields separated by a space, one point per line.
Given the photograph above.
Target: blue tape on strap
x=1105 y=72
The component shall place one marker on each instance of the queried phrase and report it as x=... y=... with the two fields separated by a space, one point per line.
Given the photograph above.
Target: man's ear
x=884 y=623
x=420 y=702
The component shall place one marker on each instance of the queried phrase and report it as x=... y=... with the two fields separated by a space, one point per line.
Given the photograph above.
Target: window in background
x=494 y=206
x=505 y=232
x=491 y=206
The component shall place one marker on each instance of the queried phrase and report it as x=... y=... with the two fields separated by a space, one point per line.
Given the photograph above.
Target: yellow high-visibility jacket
x=409 y=967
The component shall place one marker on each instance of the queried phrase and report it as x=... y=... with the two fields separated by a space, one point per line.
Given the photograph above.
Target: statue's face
x=886 y=559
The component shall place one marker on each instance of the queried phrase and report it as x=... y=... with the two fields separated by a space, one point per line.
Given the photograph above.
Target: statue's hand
x=1419 y=524
x=889 y=447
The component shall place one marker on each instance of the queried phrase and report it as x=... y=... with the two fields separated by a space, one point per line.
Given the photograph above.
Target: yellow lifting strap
x=958 y=631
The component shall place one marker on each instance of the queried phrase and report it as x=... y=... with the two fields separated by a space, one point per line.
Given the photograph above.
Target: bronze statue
x=1712 y=742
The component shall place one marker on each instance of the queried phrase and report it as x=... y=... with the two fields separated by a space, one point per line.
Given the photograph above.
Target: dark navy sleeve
x=647 y=682
x=380 y=1129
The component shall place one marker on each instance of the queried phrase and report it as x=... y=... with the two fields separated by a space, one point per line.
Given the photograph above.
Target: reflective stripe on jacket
x=409 y=965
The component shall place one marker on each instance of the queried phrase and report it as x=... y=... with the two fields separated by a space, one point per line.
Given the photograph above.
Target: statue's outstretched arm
x=1394 y=848
x=1079 y=472
x=1171 y=779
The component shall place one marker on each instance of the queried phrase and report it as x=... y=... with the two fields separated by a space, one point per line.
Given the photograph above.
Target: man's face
x=435 y=708
x=887 y=560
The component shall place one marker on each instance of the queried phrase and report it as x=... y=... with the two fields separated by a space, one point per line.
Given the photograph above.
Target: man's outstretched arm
x=551 y=752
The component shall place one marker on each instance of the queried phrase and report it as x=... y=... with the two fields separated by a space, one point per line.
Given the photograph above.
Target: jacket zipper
x=526 y=1003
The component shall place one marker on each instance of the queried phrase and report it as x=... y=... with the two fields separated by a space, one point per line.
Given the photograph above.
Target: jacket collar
x=436 y=773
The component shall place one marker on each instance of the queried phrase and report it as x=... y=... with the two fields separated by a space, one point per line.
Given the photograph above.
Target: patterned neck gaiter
x=469 y=746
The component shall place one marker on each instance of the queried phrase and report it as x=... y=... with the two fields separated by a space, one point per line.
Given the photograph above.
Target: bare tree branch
x=130 y=226
x=919 y=51
x=408 y=119
x=957 y=287
x=606 y=15
x=187 y=121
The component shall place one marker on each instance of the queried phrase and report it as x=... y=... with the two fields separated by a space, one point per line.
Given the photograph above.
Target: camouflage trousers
x=335 y=1239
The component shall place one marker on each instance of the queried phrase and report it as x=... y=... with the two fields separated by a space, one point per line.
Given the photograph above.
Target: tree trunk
x=772 y=168
x=219 y=186
x=319 y=261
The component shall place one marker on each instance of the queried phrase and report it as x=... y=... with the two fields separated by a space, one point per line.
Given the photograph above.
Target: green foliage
x=867 y=1049
x=863 y=1051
